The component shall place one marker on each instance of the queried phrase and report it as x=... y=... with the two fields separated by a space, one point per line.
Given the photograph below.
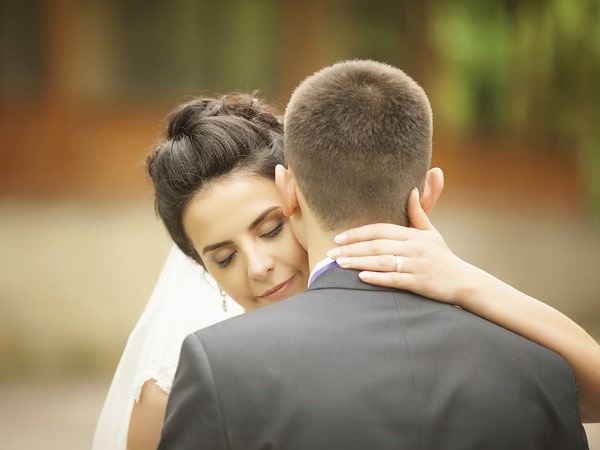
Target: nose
x=260 y=264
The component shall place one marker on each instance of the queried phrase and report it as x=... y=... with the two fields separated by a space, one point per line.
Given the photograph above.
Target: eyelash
x=270 y=235
x=274 y=232
x=226 y=261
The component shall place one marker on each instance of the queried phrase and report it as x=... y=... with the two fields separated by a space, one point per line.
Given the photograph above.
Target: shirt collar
x=322 y=266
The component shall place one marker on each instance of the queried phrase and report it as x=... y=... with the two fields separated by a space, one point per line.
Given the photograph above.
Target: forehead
x=227 y=207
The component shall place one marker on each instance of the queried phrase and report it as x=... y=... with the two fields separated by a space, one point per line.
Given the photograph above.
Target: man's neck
x=314 y=239
x=317 y=244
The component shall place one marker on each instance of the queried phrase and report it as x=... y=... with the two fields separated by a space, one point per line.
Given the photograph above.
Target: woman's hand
x=427 y=266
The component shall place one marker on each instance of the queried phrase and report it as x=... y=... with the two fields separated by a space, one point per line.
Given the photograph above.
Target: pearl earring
x=224 y=297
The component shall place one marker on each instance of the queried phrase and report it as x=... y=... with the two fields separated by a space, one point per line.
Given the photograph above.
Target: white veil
x=184 y=299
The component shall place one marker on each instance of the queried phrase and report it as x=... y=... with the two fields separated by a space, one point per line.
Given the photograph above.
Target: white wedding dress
x=184 y=299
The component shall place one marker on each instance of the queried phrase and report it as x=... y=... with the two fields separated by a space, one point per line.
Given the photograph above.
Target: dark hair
x=358 y=138
x=205 y=140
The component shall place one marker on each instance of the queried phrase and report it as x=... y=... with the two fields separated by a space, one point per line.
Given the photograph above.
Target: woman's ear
x=434 y=184
x=285 y=182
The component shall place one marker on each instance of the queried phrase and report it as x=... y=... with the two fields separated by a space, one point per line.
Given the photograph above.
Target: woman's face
x=246 y=243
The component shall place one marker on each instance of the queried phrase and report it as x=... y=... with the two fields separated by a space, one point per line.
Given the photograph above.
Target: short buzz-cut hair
x=358 y=136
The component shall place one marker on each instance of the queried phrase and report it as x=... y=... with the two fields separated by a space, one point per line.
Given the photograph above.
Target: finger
x=382 y=263
x=416 y=215
x=372 y=232
x=369 y=248
x=393 y=280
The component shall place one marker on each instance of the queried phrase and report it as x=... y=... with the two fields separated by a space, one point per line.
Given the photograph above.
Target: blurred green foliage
x=524 y=69
x=521 y=67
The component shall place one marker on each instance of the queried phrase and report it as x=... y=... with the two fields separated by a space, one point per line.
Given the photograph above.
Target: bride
x=186 y=298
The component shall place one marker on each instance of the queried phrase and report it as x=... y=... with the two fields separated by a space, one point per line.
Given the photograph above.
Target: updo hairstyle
x=205 y=140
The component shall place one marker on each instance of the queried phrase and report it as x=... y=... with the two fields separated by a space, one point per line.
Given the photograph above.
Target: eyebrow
x=251 y=227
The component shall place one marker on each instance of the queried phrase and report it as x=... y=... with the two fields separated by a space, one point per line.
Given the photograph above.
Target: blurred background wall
x=84 y=85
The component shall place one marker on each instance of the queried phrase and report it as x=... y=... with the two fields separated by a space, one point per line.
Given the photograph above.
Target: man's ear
x=285 y=182
x=434 y=184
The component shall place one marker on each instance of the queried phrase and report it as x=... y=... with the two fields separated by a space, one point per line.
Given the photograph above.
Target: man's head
x=357 y=139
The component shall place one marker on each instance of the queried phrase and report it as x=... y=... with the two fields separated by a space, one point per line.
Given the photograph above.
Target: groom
x=346 y=365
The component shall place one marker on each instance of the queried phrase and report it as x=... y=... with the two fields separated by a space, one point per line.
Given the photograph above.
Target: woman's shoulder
x=161 y=371
x=147 y=416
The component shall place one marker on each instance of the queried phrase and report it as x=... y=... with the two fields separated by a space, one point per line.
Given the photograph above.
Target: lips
x=279 y=291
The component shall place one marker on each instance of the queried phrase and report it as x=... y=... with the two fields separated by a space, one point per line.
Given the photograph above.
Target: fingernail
x=343 y=262
x=340 y=238
x=333 y=253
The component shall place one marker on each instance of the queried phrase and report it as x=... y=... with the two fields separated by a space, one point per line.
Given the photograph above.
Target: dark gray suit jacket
x=346 y=365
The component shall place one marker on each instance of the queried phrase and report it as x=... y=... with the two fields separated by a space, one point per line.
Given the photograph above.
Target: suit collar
x=336 y=277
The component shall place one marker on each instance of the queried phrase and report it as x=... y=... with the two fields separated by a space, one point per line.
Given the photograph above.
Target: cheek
x=229 y=281
x=296 y=255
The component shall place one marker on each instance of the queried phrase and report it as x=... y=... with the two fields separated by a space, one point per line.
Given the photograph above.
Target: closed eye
x=274 y=232
x=225 y=262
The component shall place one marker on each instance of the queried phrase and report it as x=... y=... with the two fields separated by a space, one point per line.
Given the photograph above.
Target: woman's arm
x=147 y=418
x=429 y=268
